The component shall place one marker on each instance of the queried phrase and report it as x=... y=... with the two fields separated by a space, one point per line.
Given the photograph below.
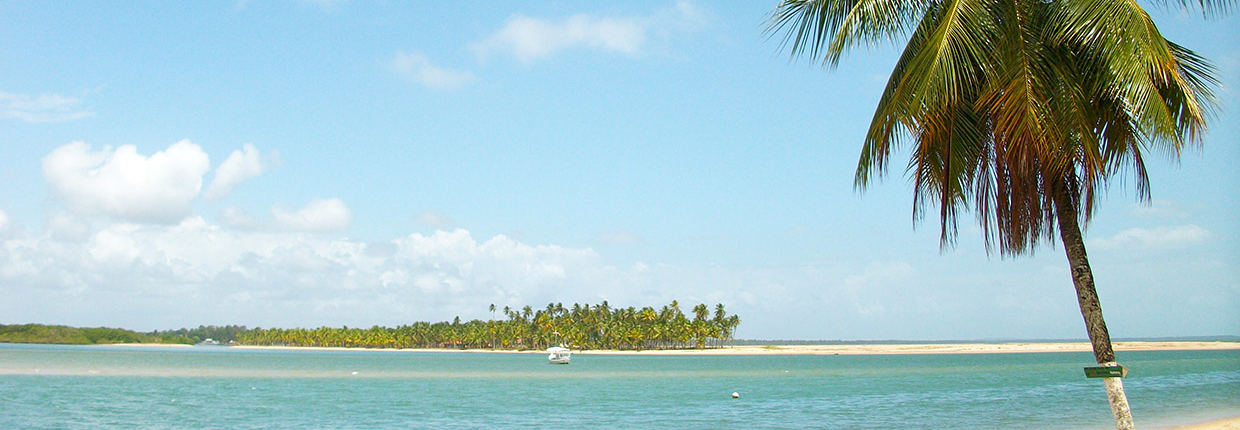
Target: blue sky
x=307 y=163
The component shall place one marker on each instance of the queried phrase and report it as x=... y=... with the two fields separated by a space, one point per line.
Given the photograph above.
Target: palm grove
x=1020 y=110
x=579 y=326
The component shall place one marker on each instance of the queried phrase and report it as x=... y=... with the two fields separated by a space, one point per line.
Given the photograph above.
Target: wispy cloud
x=42 y=108
x=1161 y=209
x=418 y=68
x=529 y=38
x=618 y=237
x=1153 y=239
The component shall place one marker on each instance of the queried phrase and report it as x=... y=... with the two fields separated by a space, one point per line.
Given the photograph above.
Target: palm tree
x=1021 y=109
x=584 y=327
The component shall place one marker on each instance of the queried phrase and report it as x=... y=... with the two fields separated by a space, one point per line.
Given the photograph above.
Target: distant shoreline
x=831 y=349
x=852 y=349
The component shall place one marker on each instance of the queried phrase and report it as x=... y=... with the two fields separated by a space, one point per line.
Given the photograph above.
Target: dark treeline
x=579 y=326
x=38 y=333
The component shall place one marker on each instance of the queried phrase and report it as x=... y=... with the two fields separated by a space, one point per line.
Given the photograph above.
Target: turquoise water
x=98 y=387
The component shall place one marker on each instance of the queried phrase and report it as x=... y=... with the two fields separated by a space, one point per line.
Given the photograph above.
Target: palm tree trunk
x=1087 y=296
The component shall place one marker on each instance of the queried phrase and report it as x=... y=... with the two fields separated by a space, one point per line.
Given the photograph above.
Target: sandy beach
x=1223 y=424
x=858 y=349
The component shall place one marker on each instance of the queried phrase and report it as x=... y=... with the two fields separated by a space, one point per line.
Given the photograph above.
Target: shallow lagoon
x=123 y=387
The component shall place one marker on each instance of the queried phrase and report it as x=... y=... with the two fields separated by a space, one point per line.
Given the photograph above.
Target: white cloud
x=204 y=272
x=320 y=215
x=435 y=220
x=1155 y=239
x=241 y=165
x=859 y=289
x=68 y=228
x=1161 y=209
x=235 y=217
x=148 y=276
x=528 y=38
x=42 y=108
x=127 y=185
x=418 y=68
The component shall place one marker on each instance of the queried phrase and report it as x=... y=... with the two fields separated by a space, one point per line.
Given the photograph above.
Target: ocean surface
x=127 y=387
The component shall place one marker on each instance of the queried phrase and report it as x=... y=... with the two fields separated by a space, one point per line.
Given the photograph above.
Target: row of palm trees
x=579 y=326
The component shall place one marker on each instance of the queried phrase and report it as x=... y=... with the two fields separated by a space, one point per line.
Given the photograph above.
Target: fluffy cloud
x=123 y=185
x=528 y=39
x=126 y=185
x=207 y=272
x=42 y=108
x=418 y=68
x=241 y=165
x=320 y=215
x=149 y=276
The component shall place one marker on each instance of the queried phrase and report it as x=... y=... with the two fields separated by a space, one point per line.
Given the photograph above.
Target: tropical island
x=599 y=329
x=584 y=327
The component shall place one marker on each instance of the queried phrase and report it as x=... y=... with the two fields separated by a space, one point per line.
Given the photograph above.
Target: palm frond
x=1014 y=108
x=1209 y=8
x=827 y=28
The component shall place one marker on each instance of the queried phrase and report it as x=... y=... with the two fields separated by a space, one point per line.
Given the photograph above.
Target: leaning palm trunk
x=1087 y=296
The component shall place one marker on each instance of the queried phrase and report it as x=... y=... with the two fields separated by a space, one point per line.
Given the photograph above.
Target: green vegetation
x=37 y=333
x=221 y=334
x=580 y=327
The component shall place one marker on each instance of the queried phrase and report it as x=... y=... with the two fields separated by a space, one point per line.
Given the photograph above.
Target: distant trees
x=579 y=326
x=56 y=334
x=223 y=334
